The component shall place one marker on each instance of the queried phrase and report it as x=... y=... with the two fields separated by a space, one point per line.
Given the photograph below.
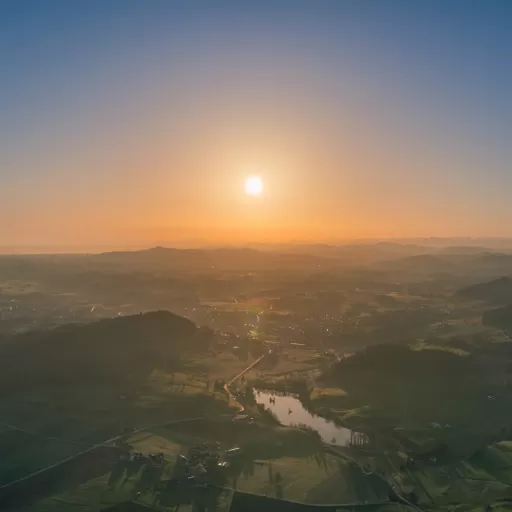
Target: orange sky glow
x=113 y=140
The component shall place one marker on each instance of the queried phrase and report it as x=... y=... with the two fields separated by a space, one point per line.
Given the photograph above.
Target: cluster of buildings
x=204 y=463
x=154 y=459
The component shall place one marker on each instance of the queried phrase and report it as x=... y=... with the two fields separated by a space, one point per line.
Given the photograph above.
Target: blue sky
x=119 y=119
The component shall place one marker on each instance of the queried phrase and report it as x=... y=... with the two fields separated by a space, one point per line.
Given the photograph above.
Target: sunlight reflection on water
x=289 y=411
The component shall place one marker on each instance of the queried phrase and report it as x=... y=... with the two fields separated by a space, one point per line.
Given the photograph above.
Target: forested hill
x=430 y=384
x=498 y=290
x=110 y=349
x=500 y=318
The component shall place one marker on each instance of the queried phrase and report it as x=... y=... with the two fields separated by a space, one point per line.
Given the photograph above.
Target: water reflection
x=289 y=411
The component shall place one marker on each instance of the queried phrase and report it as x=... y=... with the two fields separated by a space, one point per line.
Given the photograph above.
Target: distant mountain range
x=380 y=256
x=451 y=244
x=301 y=256
x=480 y=265
x=220 y=259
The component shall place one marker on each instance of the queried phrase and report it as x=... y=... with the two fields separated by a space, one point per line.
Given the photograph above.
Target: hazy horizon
x=490 y=243
x=130 y=124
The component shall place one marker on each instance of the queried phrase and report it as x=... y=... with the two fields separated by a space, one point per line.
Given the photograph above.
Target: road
x=45 y=438
x=232 y=397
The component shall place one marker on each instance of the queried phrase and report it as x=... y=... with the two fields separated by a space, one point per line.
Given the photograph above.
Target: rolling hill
x=162 y=258
x=111 y=350
x=497 y=291
x=500 y=318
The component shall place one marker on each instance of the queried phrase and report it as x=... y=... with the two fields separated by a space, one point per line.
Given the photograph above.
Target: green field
x=59 y=424
x=306 y=473
x=484 y=478
x=24 y=453
x=92 y=496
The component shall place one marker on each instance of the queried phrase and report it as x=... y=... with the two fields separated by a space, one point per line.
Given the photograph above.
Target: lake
x=290 y=412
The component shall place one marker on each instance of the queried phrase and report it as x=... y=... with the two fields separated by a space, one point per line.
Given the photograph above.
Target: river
x=290 y=412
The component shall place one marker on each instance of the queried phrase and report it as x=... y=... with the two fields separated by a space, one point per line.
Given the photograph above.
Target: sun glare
x=253 y=186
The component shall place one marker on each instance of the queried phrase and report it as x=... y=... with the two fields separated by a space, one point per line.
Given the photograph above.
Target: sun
x=253 y=186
